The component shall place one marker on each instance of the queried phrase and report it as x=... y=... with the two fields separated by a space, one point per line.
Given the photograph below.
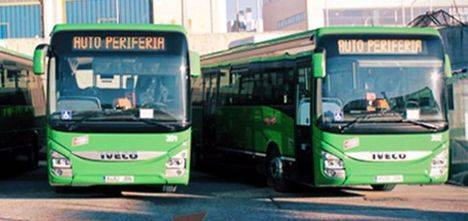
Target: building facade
x=20 y=19
x=284 y=15
x=36 y=18
x=311 y=14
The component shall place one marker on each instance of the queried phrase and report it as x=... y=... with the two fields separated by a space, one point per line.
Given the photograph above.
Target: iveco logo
x=119 y=156
x=388 y=156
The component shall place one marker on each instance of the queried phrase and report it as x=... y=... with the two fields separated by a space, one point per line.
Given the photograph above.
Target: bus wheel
x=169 y=188
x=275 y=172
x=383 y=187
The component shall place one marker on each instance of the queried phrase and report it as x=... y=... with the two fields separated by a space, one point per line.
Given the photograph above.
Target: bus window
x=23 y=79
x=223 y=87
x=303 y=96
x=246 y=89
x=197 y=94
x=279 y=87
x=234 y=88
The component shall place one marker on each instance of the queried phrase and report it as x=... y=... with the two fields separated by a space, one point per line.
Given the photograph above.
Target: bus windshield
x=382 y=89
x=120 y=87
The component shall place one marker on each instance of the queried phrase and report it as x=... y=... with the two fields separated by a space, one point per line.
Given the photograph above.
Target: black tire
x=61 y=189
x=383 y=187
x=275 y=172
x=112 y=191
x=194 y=159
x=33 y=153
x=169 y=188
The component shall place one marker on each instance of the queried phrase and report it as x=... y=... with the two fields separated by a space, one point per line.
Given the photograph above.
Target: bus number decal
x=171 y=138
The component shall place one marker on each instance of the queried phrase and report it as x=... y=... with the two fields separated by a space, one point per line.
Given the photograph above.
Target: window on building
x=20 y=19
x=109 y=11
x=295 y=19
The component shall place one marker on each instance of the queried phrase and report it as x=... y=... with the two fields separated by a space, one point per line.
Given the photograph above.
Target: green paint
x=247 y=122
x=117 y=27
x=320 y=32
x=88 y=172
x=242 y=128
x=39 y=59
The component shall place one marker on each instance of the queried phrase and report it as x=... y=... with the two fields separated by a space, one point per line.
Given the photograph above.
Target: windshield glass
x=125 y=85
x=382 y=88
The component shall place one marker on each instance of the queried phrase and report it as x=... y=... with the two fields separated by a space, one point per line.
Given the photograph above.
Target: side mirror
x=39 y=58
x=447 y=66
x=459 y=71
x=319 y=64
x=195 y=67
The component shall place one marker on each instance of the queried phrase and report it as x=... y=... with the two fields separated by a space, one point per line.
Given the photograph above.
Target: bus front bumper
x=67 y=169
x=345 y=171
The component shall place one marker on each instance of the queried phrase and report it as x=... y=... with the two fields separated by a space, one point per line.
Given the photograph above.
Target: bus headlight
x=439 y=164
x=333 y=166
x=61 y=165
x=175 y=166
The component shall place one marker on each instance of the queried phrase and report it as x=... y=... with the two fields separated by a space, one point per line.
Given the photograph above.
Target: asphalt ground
x=223 y=194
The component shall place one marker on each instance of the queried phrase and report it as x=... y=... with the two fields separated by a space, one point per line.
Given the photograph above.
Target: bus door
x=209 y=104
x=303 y=131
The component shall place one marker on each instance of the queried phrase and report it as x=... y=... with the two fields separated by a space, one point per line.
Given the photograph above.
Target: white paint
x=146 y=113
x=367 y=156
x=171 y=138
x=436 y=138
x=413 y=114
x=389 y=179
x=81 y=140
x=54 y=13
x=351 y=143
x=466 y=125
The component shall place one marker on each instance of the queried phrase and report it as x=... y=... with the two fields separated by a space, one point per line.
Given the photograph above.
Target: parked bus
x=457 y=87
x=119 y=105
x=335 y=106
x=22 y=108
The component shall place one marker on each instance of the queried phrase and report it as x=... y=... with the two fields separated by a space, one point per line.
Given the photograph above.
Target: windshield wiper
x=133 y=116
x=148 y=121
x=355 y=121
x=159 y=124
x=86 y=117
x=415 y=122
x=422 y=124
x=402 y=120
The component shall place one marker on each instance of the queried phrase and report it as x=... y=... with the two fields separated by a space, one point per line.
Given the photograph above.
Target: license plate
x=389 y=179
x=118 y=179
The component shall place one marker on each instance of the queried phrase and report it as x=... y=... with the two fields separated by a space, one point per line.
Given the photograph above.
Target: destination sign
x=380 y=46
x=119 y=43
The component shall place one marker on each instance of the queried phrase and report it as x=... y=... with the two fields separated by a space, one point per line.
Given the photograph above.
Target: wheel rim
x=276 y=168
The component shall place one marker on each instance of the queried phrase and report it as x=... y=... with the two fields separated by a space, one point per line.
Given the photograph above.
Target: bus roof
x=318 y=33
x=121 y=27
x=7 y=55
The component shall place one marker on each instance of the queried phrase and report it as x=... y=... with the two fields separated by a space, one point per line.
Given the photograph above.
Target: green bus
x=22 y=108
x=119 y=109
x=335 y=106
